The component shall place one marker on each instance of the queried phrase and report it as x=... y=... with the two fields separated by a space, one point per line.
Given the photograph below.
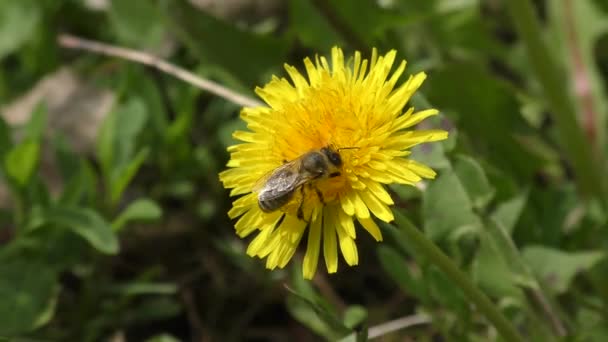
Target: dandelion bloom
x=353 y=108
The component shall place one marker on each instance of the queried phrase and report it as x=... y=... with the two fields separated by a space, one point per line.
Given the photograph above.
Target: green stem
x=552 y=78
x=439 y=259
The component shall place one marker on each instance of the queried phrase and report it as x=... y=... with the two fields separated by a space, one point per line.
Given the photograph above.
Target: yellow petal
x=360 y=207
x=379 y=209
x=330 y=250
x=347 y=244
x=241 y=205
x=298 y=80
x=347 y=204
x=406 y=121
x=409 y=139
x=259 y=242
x=420 y=169
x=311 y=258
x=371 y=227
x=346 y=221
x=379 y=191
x=249 y=222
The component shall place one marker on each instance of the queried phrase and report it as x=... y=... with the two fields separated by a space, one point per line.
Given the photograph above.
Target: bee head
x=333 y=156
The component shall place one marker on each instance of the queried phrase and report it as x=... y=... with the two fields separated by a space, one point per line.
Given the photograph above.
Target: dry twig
x=72 y=42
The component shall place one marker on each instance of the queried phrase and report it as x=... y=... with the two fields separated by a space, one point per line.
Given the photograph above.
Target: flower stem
x=443 y=262
x=577 y=147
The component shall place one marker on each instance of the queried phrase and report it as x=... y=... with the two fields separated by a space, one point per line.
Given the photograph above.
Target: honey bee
x=279 y=187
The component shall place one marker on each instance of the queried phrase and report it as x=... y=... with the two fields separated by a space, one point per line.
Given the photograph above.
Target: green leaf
x=557 y=268
x=485 y=110
x=21 y=161
x=310 y=309
x=206 y=37
x=491 y=270
x=444 y=291
x=18 y=22
x=447 y=207
x=155 y=308
x=311 y=27
x=320 y=310
x=141 y=209
x=163 y=338
x=145 y=288
x=474 y=180
x=6 y=141
x=77 y=174
x=397 y=268
x=366 y=19
x=34 y=129
x=136 y=23
x=118 y=134
x=355 y=316
x=82 y=221
x=28 y=293
x=507 y=213
x=121 y=177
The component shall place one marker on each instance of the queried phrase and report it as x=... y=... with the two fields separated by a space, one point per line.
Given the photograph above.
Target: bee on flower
x=318 y=157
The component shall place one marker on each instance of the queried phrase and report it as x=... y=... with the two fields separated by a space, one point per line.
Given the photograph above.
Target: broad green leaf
x=76 y=172
x=474 y=180
x=507 y=213
x=311 y=27
x=145 y=288
x=122 y=176
x=34 y=129
x=82 y=221
x=310 y=309
x=397 y=268
x=118 y=134
x=141 y=209
x=21 y=161
x=163 y=338
x=355 y=316
x=491 y=270
x=443 y=290
x=485 y=110
x=155 y=308
x=447 y=207
x=6 y=141
x=320 y=310
x=28 y=292
x=457 y=25
x=18 y=22
x=521 y=275
x=557 y=268
x=207 y=37
x=366 y=19
x=591 y=324
x=137 y=23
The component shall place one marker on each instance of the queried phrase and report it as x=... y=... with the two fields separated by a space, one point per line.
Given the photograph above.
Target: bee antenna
x=348 y=148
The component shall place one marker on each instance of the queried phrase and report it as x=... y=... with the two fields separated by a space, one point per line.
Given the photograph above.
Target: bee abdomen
x=271 y=204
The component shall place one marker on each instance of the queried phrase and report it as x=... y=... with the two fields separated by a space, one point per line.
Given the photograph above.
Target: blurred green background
x=113 y=223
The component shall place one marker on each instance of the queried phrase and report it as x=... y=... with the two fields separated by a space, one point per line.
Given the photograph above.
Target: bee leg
x=300 y=213
x=334 y=174
x=320 y=195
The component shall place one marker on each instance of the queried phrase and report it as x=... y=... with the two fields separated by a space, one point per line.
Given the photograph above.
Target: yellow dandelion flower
x=317 y=158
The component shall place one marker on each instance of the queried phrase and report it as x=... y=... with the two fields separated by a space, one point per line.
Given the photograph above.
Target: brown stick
x=73 y=42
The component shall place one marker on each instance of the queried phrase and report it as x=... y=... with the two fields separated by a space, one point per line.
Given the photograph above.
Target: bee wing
x=280 y=181
x=261 y=183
